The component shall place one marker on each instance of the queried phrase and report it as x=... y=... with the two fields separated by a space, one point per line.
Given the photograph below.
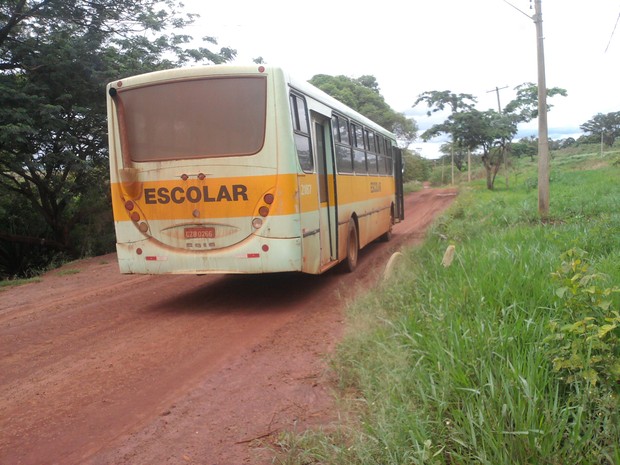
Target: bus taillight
x=263 y=211
x=268 y=198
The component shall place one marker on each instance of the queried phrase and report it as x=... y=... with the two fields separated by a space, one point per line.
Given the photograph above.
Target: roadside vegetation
x=56 y=56
x=508 y=354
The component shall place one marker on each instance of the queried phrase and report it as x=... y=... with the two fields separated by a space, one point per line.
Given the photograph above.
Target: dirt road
x=101 y=368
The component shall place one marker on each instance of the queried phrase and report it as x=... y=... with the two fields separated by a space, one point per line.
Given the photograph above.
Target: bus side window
x=359 y=152
x=344 y=162
x=381 y=155
x=371 y=156
x=390 y=165
x=299 y=116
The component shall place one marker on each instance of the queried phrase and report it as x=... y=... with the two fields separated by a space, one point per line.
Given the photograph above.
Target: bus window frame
x=359 y=147
x=342 y=147
x=294 y=98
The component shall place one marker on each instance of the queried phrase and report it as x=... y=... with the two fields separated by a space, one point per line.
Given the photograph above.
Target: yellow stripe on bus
x=216 y=198
x=239 y=196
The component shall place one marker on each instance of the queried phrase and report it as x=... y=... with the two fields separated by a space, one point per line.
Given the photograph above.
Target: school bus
x=243 y=169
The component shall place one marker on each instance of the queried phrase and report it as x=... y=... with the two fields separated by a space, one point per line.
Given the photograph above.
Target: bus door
x=399 y=214
x=328 y=217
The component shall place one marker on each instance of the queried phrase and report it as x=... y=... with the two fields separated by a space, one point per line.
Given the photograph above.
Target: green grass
x=17 y=282
x=456 y=365
x=68 y=271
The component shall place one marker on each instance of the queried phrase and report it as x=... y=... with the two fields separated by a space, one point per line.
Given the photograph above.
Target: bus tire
x=350 y=263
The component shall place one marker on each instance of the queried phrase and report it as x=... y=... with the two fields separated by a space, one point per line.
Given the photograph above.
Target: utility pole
x=452 y=161
x=499 y=109
x=543 y=138
x=497 y=89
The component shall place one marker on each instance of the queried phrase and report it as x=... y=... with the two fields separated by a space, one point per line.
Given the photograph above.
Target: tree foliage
x=55 y=58
x=604 y=126
x=525 y=105
x=445 y=99
x=417 y=168
x=489 y=131
x=363 y=95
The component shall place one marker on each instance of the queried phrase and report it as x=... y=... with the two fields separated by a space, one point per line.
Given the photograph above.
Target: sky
x=414 y=46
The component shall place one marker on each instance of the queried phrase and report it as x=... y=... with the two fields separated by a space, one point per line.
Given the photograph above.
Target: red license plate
x=199 y=233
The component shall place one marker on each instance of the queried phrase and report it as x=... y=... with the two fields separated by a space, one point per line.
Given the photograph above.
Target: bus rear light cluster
x=135 y=217
x=263 y=211
x=129 y=206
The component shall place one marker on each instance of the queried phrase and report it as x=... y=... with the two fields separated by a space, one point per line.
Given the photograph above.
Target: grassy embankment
x=510 y=355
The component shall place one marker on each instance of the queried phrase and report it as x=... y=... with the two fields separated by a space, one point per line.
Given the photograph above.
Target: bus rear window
x=211 y=117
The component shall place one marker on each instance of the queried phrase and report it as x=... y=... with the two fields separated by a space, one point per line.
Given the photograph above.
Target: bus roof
x=317 y=94
x=295 y=83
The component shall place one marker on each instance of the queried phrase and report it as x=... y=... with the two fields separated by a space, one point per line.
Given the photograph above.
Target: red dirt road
x=102 y=368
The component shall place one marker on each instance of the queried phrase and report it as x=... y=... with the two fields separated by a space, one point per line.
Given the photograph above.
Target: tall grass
x=454 y=365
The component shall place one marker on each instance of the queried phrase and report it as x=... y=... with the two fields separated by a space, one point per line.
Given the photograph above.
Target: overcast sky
x=414 y=46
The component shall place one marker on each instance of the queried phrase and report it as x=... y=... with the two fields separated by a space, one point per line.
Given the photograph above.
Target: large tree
x=605 y=127
x=439 y=101
x=486 y=131
x=490 y=131
x=55 y=58
x=363 y=95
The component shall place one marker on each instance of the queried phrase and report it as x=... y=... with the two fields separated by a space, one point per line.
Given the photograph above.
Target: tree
x=525 y=147
x=363 y=95
x=55 y=58
x=490 y=131
x=456 y=154
x=417 y=168
x=604 y=127
x=525 y=105
x=438 y=101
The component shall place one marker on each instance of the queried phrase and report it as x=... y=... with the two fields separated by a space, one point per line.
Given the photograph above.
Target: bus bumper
x=261 y=255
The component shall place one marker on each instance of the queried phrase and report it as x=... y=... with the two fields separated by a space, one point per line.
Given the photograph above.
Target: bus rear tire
x=350 y=263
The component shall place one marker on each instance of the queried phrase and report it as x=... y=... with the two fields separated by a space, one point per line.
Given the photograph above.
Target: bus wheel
x=350 y=262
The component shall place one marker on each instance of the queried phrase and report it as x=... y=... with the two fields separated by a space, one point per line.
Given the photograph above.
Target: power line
x=612 y=33
x=518 y=9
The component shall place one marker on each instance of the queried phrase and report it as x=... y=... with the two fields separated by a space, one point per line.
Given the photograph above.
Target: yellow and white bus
x=243 y=169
